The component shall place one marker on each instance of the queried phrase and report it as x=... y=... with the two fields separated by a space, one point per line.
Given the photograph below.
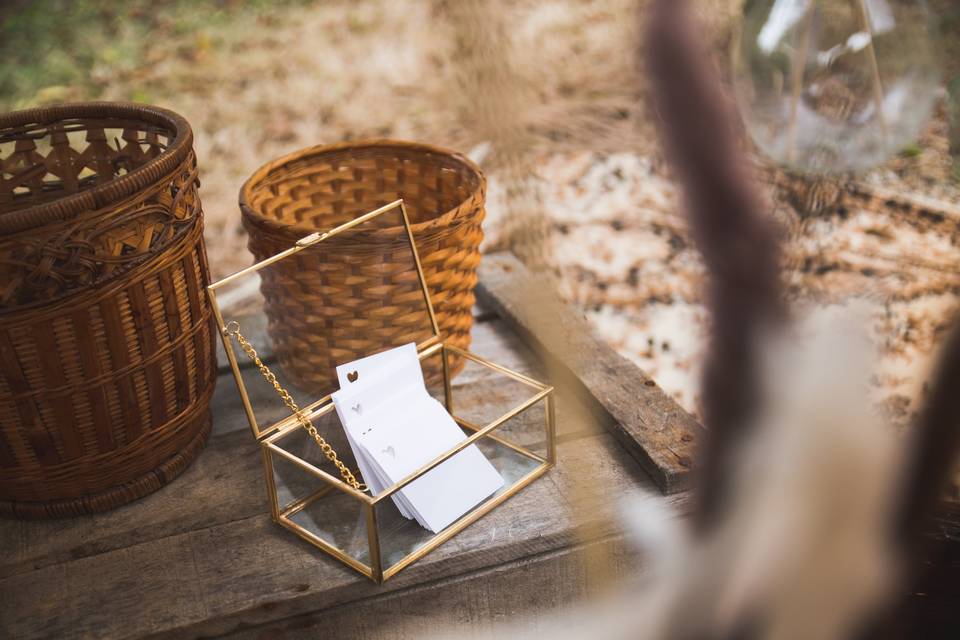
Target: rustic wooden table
x=202 y=557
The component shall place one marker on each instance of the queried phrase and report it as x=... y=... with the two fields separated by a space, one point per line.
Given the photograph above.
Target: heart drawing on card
x=352 y=376
x=356 y=407
x=390 y=452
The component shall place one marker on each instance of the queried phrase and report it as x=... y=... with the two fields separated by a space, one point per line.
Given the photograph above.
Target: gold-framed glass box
x=280 y=347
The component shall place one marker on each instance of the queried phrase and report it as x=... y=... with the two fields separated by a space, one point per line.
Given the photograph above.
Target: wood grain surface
x=659 y=433
x=202 y=557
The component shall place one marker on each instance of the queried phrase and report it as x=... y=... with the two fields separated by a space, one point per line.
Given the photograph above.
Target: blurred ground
x=259 y=79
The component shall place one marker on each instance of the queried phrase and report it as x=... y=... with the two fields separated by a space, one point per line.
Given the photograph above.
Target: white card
x=360 y=371
x=395 y=427
x=450 y=489
x=359 y=400
x=398 y=377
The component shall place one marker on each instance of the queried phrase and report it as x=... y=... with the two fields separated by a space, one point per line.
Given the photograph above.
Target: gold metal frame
x=271 y=436
x=300 y=245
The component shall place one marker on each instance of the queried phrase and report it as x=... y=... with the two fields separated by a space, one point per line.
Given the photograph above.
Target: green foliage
x=55 y=50
x=911 y=151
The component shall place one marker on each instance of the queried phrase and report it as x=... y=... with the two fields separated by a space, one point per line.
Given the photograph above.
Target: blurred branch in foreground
x=808 y=506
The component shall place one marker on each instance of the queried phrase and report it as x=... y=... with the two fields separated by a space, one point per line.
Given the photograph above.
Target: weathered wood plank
x=648 y=422
x=226 y=482
x=476 y=601
x=219 y=578
x=202 y=557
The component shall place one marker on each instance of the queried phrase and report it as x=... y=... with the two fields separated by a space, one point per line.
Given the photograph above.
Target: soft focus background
x=550 y=96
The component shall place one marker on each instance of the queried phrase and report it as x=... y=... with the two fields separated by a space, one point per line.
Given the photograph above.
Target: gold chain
x=233 y=329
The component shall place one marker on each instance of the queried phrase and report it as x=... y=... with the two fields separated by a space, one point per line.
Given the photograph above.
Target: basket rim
x=116 y=189
x=300 y=229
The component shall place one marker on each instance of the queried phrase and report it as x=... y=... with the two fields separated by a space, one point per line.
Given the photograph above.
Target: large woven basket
x=107 y=359
x=324 y=186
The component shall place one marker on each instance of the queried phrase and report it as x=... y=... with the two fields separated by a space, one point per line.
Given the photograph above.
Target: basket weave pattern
x=107 y=358
x=361 y=294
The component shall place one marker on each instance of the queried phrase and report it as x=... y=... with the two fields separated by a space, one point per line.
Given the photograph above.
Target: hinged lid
x=333 y=297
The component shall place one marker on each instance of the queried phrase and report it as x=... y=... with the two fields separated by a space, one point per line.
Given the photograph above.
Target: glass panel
x=482 y=394
x=353 y=292
x=311 y=502
x=432 y=366
x=399 y=537
x=339 y=519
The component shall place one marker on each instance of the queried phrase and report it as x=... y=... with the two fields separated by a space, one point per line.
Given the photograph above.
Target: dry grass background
x=264 y=83
x=551 y=91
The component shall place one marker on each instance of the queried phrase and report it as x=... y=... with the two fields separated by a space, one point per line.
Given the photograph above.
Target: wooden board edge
x=659 y=434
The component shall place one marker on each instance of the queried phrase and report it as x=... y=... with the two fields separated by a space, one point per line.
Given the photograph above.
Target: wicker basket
x=322 y=187
x=107 y=359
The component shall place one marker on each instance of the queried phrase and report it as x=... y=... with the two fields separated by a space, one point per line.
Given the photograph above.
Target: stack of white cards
x=395 y=427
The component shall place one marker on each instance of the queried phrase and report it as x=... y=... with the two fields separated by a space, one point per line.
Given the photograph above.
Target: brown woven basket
x=107 y=359
x=322 y=187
